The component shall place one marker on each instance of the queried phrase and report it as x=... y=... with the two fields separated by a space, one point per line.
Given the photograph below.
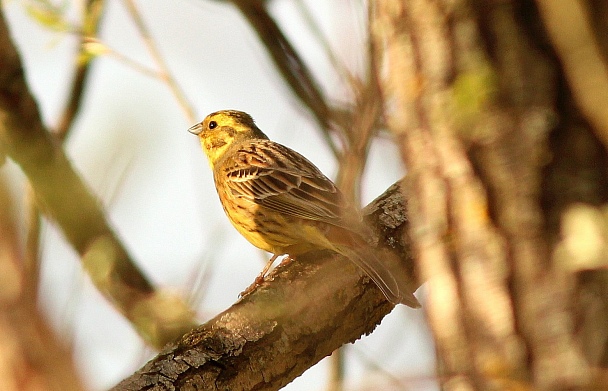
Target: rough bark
x=477 y=99
x=302 y=313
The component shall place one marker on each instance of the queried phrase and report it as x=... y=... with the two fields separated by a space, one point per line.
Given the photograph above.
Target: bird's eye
x=212 y=125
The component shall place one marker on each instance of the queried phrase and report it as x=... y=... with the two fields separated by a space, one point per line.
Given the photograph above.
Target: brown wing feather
x=281 y=179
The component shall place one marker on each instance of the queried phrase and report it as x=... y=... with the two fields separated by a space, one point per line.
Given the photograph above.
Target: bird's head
x=222 y=129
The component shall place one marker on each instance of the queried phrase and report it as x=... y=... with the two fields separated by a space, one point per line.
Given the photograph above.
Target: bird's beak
x=196 y=129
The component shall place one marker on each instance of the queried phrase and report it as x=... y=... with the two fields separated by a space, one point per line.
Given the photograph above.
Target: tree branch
x=303 y=312
x=163 y=69
x=31 y=355
x=92 y=13
x=569 y=27
x=64 y=197
x=288 y=63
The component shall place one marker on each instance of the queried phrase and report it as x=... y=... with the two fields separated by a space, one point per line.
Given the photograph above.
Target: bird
x=282 y=203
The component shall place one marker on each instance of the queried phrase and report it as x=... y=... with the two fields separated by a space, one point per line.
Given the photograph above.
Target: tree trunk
x=502 y=125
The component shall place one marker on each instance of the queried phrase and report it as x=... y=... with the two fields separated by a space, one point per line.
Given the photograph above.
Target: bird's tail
x=396 y=288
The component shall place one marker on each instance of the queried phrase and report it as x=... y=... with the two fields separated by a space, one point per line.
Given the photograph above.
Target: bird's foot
x=259 y=280
x=286 y=260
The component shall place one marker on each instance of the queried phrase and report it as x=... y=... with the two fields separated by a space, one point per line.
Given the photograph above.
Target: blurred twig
x=31 y=256
x=289 y=63
x=336 y=370
x=31 y=355
x=313 y=24
x=97 y=47
x=92 y=46
x=10 y=248
x=357 y=125
x=165 y=75
x=92 y=14
x=400 y=383
x=585 y=67
x=67 y=200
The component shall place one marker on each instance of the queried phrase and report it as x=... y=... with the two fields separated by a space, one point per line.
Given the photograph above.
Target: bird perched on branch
x=282 y=203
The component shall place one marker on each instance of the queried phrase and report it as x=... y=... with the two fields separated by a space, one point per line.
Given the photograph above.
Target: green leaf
x=49 y=17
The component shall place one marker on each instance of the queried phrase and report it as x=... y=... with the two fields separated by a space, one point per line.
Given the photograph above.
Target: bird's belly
x=267 y=231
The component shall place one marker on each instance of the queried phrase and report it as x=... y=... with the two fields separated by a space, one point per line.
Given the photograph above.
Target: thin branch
x=64 y=197
x=336 y=370
x=31 y=355
x=399 y=382
x=92 y=14
x=31 y=256
x=313 y=24
x=165 y=74
x=98 y=47
x=586 y=69
x=288 y=62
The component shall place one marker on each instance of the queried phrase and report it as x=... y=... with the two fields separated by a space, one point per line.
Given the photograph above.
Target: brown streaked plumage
x=281 y=202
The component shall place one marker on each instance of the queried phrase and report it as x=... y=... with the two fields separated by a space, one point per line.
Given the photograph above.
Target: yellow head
x=220 y=130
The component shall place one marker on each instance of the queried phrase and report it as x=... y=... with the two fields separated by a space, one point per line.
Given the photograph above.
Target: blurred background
x=130 y=143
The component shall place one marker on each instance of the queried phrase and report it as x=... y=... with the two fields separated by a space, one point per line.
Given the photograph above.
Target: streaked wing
x=281 y=179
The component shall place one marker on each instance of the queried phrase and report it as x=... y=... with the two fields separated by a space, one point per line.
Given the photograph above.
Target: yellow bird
x=282 y=203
